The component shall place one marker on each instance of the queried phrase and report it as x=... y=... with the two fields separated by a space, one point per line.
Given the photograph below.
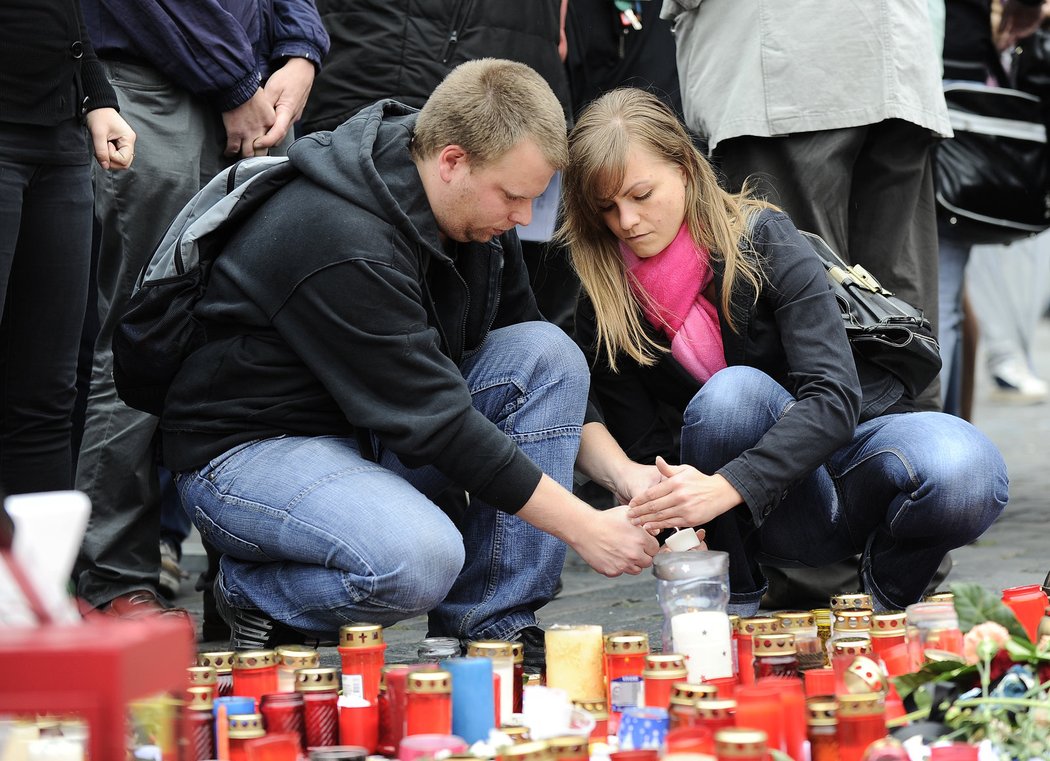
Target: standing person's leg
x=45 y=245
x=532 y=381
x=953 y=256
x=1009 y=288
x=180 y=144
x=314 y=536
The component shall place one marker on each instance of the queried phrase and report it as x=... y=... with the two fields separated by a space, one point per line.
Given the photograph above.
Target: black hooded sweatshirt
x=345 y=315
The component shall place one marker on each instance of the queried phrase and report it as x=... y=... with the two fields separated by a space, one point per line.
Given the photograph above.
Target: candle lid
x=517 y=651
x=821 y=711
x=687 y=692
x=429 y=682
x=759 y=625
x=940 y=656
x=864 y=675
x=516 y=732
x=254 y=659
x=715 y=708
x=861 y=704
x=790 y=620
x=858 y=619
x=774 y=644
x=664 y=666
x=889 y=624
x=360 y=635
x=734 y=622
x=626 y=643
x=851 y=602
x=220 y=660
x=298 y=656
x=569 y=746
x=199 y=698
x=245 y=726
x=316 y=679
x=852 y=646
x=202 y=675
x=491 y=648
x=940 y=597
x=739 y=743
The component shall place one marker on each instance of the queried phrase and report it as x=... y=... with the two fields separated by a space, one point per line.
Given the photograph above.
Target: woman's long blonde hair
x=717 y=220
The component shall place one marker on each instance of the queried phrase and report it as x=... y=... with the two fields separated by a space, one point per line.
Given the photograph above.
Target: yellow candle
x=574 y=660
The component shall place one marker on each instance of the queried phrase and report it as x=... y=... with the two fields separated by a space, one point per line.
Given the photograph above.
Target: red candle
x=716 y=713
x=320 y=690
x=200 y=723
x=740 y=745
x=793 y=708
x=758 y=707
x=243 y=727
x=887 y=631
x=861 y=721
x=391 y=704
x=659 y=675
x=222 y=662
x=428 y=707
x=359 y=724
x=362 y=652
x=282 y=713
x=254 y=674
x=1028 y=603
x=624 y=663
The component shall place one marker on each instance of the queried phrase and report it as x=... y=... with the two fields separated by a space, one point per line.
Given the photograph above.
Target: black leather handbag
x=992 y=180
x=883 y=330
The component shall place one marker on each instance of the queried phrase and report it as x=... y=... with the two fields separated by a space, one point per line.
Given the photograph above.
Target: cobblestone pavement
x=1013 y=551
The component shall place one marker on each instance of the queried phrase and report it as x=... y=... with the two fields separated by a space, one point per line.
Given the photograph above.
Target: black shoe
x=532 y=637
x=250 y=628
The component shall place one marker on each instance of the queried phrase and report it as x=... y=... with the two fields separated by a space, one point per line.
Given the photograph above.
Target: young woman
x=707 y=317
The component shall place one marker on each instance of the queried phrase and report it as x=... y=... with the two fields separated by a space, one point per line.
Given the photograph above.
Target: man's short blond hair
x=487 y=107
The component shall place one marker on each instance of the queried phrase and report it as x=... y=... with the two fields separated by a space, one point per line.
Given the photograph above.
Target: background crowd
x=114 y=113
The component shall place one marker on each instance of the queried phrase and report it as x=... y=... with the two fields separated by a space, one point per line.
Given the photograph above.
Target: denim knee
x=732 y=389
x=417 y=586
x=542 y=352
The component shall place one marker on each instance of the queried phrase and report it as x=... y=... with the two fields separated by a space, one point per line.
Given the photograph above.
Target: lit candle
x=574 y=661
x=703 y=636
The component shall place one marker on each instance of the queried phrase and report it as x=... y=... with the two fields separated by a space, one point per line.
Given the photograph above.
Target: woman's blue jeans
x=316 y=536
x=907 y=489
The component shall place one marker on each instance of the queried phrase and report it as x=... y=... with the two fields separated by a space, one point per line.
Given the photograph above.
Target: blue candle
x=235 y=704
x=472 y=699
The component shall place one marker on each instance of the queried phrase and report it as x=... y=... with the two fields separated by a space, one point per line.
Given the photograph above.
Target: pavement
x=1012 y=552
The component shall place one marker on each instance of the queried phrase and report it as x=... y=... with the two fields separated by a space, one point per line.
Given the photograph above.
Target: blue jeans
x=316 y=536
x=907 y=489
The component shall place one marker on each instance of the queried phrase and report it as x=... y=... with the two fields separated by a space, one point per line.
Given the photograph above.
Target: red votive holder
x=222 y=662
x=320 y=691
x=391 y=705
x=362 y=652
x=428 y=704
x=741 y=744
x=695 y=739
x=861 y=721
x=819 y=681
x=715 y=713
x=282 y=713
x=793 y=712
x=359 y=723
x=254 y=674
x=660 y=673
x=725 y=686
x=427 y=745
x=1027 y=603
x=758 y=707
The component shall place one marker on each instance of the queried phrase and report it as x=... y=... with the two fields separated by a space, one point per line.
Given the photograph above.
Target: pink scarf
x=670 y=290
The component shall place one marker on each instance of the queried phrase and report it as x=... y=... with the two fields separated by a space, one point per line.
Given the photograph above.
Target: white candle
x=575 y=656
x=703 y=636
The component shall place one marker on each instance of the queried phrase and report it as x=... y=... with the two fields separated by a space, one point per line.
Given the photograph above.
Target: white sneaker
x=1015 y=383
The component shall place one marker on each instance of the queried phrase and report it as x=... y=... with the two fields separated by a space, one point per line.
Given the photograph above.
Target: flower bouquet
x=997 y=697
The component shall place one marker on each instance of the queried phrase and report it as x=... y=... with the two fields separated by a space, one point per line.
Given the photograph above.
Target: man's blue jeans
x=316 y=536
x=907 y=489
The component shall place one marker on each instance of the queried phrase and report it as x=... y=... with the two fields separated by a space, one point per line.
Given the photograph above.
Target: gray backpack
x=158 y=329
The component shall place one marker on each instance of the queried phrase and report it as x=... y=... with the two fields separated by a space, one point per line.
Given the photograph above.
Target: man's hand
x=287 y=90
x=634 y=478
x=686 y=497
x=248 y=123
x=612 y=546
x=112 y=139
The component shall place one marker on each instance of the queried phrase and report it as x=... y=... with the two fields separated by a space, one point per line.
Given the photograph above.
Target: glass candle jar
x=200 y=724
x=244 y=727
x=436 y=649
x=254 y=673
x=319 y=688
x=624 y=663
x=428 y=704
x=661 y=671
x=693 y=592
x=803 y=624
x=282 y=713
x=822 y=728
x=775 y=656
x=222 y=662
x=290 y=658
x=861 y=721
x=740 y=745
x=361 y=652
x=933 y=626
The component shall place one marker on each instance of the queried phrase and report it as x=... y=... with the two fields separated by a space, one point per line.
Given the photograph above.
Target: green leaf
x=939 y=671
x=974 y=605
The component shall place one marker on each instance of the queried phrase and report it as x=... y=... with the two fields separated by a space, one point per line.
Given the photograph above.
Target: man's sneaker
x=533 y=639
x=1015 y=382
x=250 y=628
x=171 y=573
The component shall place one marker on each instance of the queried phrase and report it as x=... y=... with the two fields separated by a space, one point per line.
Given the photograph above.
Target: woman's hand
x=685 y=497
x=634 y=478
x=112 y=138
